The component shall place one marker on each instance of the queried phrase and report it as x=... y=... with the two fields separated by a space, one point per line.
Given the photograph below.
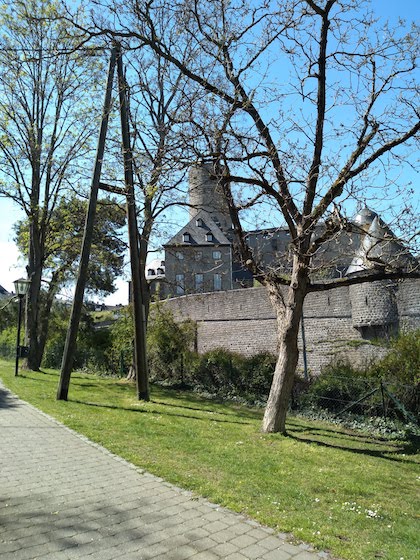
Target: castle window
x=209 y=237
x=198 y=255
x=199 y=282
x=199 y=222
x=179 y=255
x=217 y=255
x=186 y=237
x=217 y=282
x=180 y=284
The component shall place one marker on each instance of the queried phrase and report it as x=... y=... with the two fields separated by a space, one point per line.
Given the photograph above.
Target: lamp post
x=21 y=289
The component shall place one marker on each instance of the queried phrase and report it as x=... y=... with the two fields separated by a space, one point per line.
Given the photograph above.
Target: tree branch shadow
x=157 y=412
x=404 y=449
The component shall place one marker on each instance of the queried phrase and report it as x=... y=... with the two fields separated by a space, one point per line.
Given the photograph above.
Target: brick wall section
x=244 y=321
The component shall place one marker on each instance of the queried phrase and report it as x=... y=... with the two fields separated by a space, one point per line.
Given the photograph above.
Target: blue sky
x=11 y=268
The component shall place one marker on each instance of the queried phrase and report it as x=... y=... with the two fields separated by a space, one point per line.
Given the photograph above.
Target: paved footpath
x=64 y=497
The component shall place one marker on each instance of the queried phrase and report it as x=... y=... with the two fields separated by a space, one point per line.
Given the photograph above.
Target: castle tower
x=206 y=194
x=374 y=307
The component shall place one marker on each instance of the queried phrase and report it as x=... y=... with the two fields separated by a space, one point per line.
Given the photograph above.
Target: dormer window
x=186 y=237
x=199 y=222
x=150 y=272
x=159 y=271
x=209 y=237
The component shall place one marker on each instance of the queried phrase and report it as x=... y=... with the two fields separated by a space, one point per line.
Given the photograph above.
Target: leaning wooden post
x=140 y=357
x=70 y=344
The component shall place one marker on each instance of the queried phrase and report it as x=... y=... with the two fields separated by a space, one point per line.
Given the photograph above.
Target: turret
x=374 y=307
x=206 y=194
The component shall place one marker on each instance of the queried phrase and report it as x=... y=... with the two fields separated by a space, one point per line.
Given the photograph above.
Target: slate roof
x=198 y=233
x=380 y=248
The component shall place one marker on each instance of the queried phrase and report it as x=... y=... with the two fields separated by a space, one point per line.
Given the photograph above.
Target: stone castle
x=202 y=278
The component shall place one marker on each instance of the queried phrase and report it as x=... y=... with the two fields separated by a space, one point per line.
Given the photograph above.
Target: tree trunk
x=44 y=317
x=34 y=273
x=288 y=306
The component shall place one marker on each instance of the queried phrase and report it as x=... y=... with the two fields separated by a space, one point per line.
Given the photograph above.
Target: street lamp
x=21 y=289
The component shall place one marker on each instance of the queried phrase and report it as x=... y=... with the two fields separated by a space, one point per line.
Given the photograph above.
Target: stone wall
x=244 y=321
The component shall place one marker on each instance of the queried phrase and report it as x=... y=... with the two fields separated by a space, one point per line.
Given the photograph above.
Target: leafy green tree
x=62 y=244
x=48 y=113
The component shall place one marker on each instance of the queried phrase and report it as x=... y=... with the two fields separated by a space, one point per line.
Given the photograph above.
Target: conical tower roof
x=381 y=249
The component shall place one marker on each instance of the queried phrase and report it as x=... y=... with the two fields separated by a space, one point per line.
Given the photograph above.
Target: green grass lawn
x=353 y=495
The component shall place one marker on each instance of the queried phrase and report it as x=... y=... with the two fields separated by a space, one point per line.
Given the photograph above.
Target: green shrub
x=120 y=352
x=400 y=371
x=402 y=363
x=218 y=372
x=92 y=352
x=8 y=342
x=169 y=347
x=224 y=374
x=340 y=384
x=257 y=375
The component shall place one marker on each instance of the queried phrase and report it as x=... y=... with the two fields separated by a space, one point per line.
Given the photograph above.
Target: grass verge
x=353 y=495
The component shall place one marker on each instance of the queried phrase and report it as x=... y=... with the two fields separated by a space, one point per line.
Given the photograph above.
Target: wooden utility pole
x=137 y=282
x=70 y=344
x=140 y=358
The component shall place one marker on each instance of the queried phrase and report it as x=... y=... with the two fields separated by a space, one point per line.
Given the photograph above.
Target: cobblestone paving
x=64 y=497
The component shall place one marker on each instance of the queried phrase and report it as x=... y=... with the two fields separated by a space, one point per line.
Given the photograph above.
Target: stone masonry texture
x=244 y=321
x=63 y=497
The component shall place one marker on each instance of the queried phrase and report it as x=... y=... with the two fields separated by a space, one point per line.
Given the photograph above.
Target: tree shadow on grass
x=338 y=432
x=158 y=412
x=243 y=413
x=400 y=448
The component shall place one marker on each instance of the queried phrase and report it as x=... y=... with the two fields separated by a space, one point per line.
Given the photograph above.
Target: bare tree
x=158 y=100
x=314 y=101
x=46 y=118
